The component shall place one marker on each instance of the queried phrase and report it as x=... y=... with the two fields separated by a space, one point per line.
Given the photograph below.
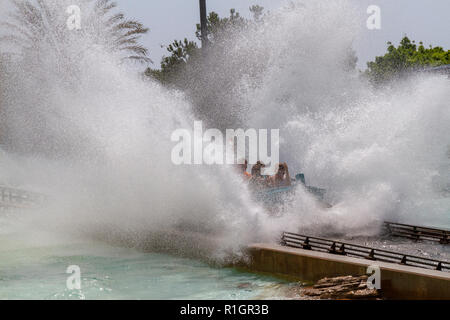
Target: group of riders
x=280 y=179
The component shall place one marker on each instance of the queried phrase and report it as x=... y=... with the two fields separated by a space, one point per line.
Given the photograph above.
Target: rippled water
x=117 y=273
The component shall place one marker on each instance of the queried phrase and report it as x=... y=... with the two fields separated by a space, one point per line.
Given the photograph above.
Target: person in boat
x=281 y=178
x=242 y=169
x=257 y=179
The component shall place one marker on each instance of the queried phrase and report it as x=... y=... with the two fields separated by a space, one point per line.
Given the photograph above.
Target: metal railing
x=16 y=198
x=417 y=232
x=354 y=250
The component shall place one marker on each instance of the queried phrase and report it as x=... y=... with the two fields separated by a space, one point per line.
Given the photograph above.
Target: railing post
x=389 y=227
x=403 y=260
x=306 y=244
x=416 y=236
x=342 y=249
x=332 y=248
x=283 y=242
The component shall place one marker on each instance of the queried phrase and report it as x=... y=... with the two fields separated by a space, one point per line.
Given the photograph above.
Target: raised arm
x=287 y=178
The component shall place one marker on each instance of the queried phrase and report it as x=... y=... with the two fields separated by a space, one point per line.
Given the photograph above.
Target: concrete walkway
x=397 y=281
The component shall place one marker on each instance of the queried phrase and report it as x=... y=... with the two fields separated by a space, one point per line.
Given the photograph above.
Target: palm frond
x=36 y=21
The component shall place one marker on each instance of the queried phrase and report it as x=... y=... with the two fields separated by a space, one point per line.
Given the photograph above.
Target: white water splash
x=99 y=144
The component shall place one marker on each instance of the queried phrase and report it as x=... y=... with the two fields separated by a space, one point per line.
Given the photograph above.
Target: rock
x=312 y=292
x=363 y=294
x=346 y=287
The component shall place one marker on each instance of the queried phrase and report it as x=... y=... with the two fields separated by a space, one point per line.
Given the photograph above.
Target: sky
x=421 y=20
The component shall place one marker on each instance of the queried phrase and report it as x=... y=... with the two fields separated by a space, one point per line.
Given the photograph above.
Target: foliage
x=407 y=57
x=219 y=28
x=209 y=75
x=185 y=52
x=34 y=23
x=180 y=54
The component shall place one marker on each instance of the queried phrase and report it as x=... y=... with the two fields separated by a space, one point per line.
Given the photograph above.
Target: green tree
x=407 y=57
x=220 y=29
x=209 y=75
x=184 y=52
x=171 y=66
x=257 y=12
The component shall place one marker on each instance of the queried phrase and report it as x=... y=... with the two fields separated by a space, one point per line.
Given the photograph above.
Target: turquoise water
x=39 y=272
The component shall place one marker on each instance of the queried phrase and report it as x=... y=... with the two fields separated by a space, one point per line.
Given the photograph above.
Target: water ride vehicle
x=279 y=195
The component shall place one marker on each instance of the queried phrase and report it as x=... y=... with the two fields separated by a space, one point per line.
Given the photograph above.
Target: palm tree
x=34 y=24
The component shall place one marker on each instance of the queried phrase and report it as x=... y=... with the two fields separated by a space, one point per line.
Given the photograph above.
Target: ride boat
x=279 y=195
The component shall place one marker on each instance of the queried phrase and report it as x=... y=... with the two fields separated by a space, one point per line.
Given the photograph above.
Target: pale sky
x=421 y=20
x=424 y=20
